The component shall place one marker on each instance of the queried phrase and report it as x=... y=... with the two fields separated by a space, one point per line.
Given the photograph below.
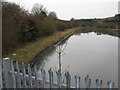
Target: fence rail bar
x=8 y=82
x=51 y=78
x=87 y=81
x=39 y=79
x=77 y=78
x=18 y=75
x=110 y=84
x=98 y=82
x=59 y=79
x=36 y=76
x=43 y=78
x=1 y=85
x=68 y=80
x=30 y=76
x=23 y=75
x=13 y=75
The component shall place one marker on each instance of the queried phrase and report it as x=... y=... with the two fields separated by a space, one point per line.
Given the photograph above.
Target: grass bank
x=30 y=50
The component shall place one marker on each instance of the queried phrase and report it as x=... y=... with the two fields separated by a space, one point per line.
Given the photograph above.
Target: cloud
x=66 y=9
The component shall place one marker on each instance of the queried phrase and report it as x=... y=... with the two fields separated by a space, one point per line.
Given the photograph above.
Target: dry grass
x=30 y=50
x=115 y=29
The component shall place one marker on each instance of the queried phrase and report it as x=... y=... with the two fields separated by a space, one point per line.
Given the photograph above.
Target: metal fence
x=15 y=77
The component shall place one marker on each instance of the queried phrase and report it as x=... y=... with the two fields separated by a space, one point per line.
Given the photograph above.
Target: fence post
x=59 y=79
x=30 y=76
x=24 y=75
x=87 y=81
x=110 y=85
x=43 y=78
x=36 y=76
x=8 y=73
x=68 y=80
x=77 y=78
x=13 y=75
x=51 y=78
x=1 y=83
x=6 y=68
x=98 y=82
x=18 y=74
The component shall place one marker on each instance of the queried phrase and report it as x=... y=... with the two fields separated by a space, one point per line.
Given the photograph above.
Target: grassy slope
x=29 y=51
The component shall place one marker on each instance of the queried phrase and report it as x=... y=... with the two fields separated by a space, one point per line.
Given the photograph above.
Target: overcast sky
x=66 y=9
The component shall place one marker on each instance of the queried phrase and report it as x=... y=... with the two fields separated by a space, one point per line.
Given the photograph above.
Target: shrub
x=28 y=30
x=61 y=26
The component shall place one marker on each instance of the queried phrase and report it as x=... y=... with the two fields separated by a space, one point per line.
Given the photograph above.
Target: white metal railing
x=15 y=77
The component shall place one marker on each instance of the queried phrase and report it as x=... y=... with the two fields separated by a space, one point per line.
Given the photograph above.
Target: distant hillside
x=116 y=18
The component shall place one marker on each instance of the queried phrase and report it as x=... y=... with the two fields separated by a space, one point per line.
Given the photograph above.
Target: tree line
x=19 y=26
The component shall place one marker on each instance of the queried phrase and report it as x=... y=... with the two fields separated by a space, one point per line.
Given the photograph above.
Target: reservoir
x=85 y=53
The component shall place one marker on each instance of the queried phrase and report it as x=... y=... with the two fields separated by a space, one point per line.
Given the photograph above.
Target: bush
x=46 y=28
x=61 y=26
x=28 y=30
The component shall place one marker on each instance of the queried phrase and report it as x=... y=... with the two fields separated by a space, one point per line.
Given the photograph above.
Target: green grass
x=30 y=50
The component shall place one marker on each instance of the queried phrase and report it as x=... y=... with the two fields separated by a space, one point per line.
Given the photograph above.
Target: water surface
x=85 y=53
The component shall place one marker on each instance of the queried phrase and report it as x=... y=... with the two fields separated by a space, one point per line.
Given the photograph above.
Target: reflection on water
x=90 y=53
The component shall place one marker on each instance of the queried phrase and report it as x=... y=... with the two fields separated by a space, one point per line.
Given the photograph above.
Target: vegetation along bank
x=25 y=34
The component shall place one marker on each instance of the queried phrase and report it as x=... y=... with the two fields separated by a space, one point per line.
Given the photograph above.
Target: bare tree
x=39 y=10
x=60 y=51
x=53 y=15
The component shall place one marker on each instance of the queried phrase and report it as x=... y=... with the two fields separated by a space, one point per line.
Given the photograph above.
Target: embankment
x=30 y=50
